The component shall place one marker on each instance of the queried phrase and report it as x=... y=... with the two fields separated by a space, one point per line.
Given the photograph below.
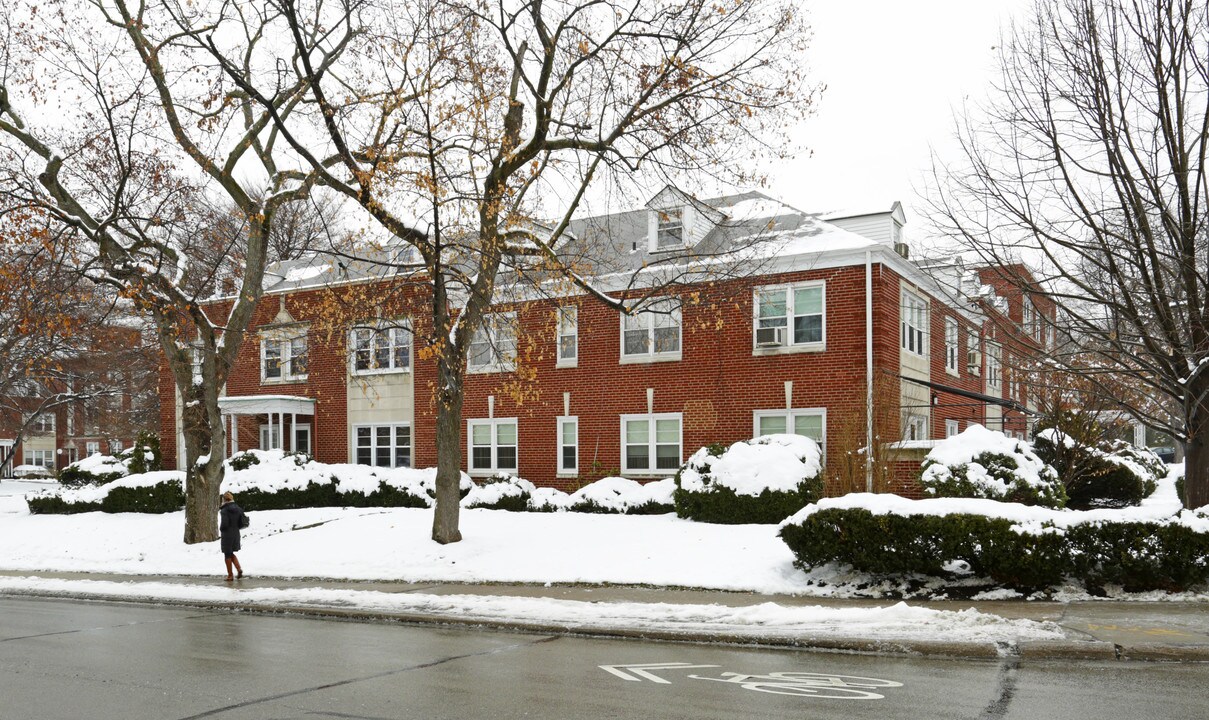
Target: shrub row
x=703 y=494
x=1138 y=556
x=162 y=497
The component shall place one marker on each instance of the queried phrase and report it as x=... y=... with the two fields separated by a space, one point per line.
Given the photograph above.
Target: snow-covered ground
x=498 y=546
x=393 y=544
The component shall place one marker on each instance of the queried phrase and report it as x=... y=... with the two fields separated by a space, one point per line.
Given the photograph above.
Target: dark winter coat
x=229 y=515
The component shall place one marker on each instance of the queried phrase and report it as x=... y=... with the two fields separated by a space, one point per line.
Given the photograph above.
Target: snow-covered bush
x=606 y=495
x=501 y=492
x=156 y=492
x=274 y=480
x=753 y=481
x=653 y=498
x=982 y=463
x=1112 y=474
x=1155 y=547
x=547 y=499
x=93 y=470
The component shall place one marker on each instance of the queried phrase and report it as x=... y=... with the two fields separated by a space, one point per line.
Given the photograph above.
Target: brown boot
x=230 y=577
x=238 y=569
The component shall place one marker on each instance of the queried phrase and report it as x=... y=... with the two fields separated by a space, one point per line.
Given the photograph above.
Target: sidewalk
x=1096 y=630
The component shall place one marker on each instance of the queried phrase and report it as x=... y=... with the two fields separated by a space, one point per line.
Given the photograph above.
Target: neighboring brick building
x=565 y=390
x=92 y=400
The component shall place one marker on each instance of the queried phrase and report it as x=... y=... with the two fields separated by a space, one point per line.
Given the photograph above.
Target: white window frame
x=973 y=347
x=494 y=424
x=790 y=420
x=666 y=223
x=567 y=329
x=392 y=447
x=285 y=345
x=656 y=308
x=916 y=425
x=92 y=447
x=392 y=337
x=31 y=458
x=563 y=469
x=70 y=412
x=994 y=365
x=952 y=427
x=914 y=309
x=789 y=344
x=952 y=346
x=1028 y=314
x=495 y=327
x=651 y=444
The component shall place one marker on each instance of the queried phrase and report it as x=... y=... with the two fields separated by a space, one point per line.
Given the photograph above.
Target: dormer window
x=670 y=231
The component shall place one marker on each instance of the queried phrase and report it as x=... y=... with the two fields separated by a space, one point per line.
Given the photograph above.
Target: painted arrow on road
x=643 y=670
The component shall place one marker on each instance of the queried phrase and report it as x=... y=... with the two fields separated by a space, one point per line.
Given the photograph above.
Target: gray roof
x=605 y=244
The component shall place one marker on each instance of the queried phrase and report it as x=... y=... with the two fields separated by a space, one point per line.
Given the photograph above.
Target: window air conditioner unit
x=974 y=362
x=770 y=337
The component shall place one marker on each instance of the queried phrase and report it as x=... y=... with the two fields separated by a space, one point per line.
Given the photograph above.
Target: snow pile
x=892 y=622
x=275 y=470
x=547 y=499
x=780 y=463
x=982 y=463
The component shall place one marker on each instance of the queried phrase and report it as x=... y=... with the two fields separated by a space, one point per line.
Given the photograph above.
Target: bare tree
x=472 y=130
x=1090 y=165
x=112 y=124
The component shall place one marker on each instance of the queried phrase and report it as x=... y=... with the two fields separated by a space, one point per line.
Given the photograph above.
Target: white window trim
x=904 y=323
x=656 y=217
x=953 y=351
x=571 y=311
x=377 y=329
x=919 y=421
x=44 y=422
x=562 y=470
x=789 y=346
x=952 y=427
x=994 y=361
x=651 y=356
x=284 y=340
x=92 y=447
x=373 y=448
x=495 y=459
x=490 y=325
x=789 y=415
x=652 y=417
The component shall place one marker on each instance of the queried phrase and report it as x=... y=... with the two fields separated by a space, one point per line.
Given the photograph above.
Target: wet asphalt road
x=76 y=660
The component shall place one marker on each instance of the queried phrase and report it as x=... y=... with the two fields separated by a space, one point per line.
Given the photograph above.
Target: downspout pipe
x=869 y=371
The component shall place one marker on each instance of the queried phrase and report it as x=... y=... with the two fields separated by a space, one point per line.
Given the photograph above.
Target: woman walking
x=232 y=519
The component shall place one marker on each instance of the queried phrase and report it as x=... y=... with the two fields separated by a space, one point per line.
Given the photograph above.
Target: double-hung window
x=914 y=324
x=669 y=230
x=380 y=350
x=492 y=445
x=652 y=333
x=651 y=444
x=284 y=359
x=568 y=445
x=568 y=336
x=383 y=445
x=811 y=423
x=952 y=350
x=92 y=447
x=790 y=316
x=493 y=348
x=952 y=428
x=994 y=365
x=915 y=427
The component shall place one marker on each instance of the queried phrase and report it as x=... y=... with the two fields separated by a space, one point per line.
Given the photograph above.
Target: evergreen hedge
x=1138 y=556
x=717 y=503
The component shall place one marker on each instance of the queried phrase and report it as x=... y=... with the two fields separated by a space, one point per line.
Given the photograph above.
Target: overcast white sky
x=895 y=71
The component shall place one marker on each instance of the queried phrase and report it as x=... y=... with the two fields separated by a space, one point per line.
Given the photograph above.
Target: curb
x=988 y=650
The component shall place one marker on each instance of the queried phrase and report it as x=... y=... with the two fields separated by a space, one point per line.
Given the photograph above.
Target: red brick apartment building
x=565 y=390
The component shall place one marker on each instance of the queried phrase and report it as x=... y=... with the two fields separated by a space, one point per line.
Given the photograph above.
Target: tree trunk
x=449 y=455
x=202 y=481
x=1196 y=477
